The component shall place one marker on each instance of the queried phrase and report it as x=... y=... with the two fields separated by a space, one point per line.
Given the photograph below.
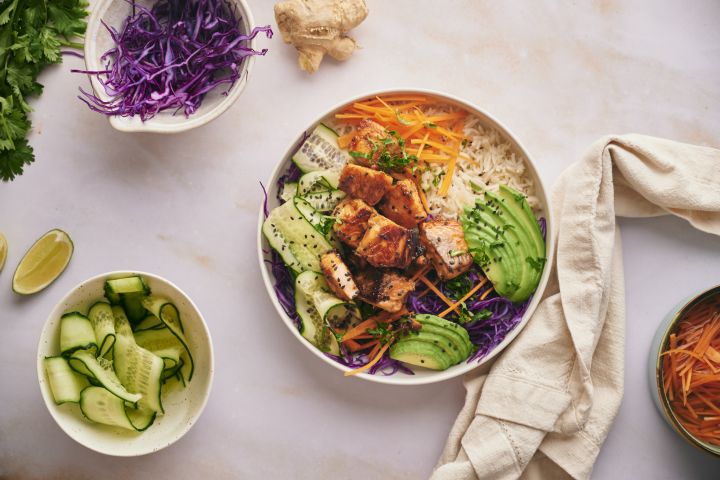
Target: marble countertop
x=559 y=74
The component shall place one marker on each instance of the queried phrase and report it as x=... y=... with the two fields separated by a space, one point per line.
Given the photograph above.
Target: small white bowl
x=98 y=41
x=183 y=406
x=421 y=375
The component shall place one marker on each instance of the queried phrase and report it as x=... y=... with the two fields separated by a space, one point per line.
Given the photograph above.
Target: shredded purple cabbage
x=170 y=56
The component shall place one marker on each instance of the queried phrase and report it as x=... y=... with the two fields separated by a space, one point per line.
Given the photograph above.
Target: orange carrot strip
x=344 y=140
x=465 y=297
x=440 y=146
x=370 y=363
x=437 y=292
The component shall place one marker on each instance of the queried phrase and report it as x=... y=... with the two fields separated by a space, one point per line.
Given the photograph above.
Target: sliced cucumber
x=324 y=200
x=163 y=344
x=169 y=315
x=65 y=383
x=334 y=312
x=100 y=369
x=320 y=151
x=150 y=322
x=289 y=190
x=312 y=326
x=132 y=304
x=138 y=369
x=294 y=238
x=322 y=223
x=101 y=406
x=133 y=284
x=157 y=339
x=318 y=180
x=76 y=333
x=103 y=322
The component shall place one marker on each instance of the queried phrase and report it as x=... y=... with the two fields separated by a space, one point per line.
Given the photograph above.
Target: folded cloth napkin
x=545 y=407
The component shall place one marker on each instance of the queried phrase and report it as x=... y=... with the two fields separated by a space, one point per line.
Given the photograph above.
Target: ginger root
x=317 y=27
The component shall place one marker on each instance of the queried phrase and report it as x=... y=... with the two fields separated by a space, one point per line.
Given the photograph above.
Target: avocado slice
x=454 y=332
x=422 y=354
x=513 y=214
x=493 y=247
x=505 y=240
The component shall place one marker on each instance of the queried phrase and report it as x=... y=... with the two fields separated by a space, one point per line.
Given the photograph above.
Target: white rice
x=487 y=161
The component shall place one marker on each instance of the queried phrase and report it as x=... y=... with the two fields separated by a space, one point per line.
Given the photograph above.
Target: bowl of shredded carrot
x=685 y=370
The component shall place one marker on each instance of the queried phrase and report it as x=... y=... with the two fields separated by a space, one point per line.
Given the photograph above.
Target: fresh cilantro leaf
x=32 y=34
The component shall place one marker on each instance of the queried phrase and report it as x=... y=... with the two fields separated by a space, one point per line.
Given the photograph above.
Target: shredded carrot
x=436 y=291
x=420 y=273
x=372 y=322
x=372 y=362
x=465 y=297
x=690 y=379
x=487 y=292
x=344 y=140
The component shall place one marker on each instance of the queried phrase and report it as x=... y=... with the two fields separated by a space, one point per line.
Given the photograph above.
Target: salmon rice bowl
x=409 y=236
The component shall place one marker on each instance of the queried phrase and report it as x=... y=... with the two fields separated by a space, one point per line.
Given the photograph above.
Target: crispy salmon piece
x=338 y=276
x=369 y=140
x=446 y=247
x=364 y=183
x=386 y=289
x=387 y=244
x=351 y=220
x=402 y=204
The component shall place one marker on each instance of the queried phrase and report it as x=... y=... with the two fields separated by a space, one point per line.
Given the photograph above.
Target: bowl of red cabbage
x=403 y=238
x=167 y=66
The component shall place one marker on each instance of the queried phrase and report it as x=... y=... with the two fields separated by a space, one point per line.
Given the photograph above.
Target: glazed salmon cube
x=402 y=204
x=370 y=140
x=446 y=247
x=385 y=289
x=364 y=183
x=351 y=220
x=387 y=244
x=338 y=276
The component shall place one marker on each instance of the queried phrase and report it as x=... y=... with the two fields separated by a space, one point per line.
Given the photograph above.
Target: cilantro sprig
x=32 y=32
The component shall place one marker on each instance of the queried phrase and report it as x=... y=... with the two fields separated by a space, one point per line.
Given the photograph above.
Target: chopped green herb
x=536 y=263
x=31 y=35
x=457 y=253
x=483 y=314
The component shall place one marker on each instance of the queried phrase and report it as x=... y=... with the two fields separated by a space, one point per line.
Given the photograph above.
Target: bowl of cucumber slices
x=125 y=363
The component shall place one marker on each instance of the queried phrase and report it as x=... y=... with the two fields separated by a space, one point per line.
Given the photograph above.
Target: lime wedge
x=43 y=263
x=3 y=251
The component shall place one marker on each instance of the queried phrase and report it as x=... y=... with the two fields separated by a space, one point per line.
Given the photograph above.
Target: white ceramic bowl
x=421 y=376
x=98 y=41
x=183 y=406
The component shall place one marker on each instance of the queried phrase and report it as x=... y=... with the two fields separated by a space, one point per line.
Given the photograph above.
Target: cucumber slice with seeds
x=294 y=238
x=101 y=406
x=100 y=369
x=138 y=369
x=76 y=333
x=65 y=383
x=324 y=200
x=103 y=322
x=169 y=315
x=317 y=181
x=320 y=151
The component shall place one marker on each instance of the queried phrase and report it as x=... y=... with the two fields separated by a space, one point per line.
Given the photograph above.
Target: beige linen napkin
x=546 y=406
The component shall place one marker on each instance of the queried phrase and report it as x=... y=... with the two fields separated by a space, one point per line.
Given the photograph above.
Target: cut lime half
x=3 y=251
x=43 y=262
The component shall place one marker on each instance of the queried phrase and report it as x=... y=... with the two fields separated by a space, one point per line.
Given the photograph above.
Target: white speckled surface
x=559 y=74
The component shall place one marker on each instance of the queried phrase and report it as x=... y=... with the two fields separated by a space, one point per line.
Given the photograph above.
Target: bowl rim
x=461 y=368
x=45 y=388
x=667 y=410
x=134 y=124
